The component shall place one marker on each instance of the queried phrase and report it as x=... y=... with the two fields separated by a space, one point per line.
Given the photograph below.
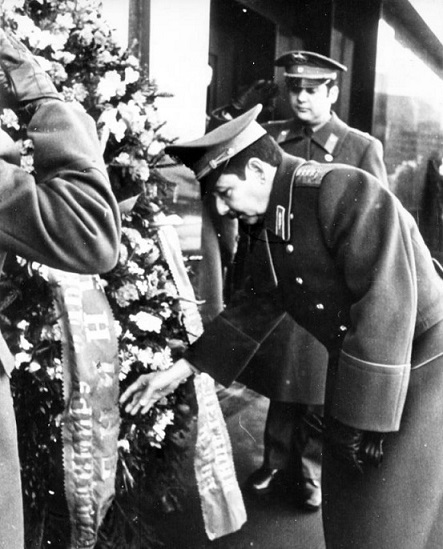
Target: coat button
x=299 y=280
x=289 y=249
x=329 y=157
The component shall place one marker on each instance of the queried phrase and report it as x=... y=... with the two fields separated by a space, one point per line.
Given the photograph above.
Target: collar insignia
x=331 y=143
x=280 y=229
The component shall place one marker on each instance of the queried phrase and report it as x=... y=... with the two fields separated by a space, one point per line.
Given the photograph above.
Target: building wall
x=178 y=62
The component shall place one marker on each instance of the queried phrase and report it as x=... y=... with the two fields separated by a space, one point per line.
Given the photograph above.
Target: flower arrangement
x=77 y=48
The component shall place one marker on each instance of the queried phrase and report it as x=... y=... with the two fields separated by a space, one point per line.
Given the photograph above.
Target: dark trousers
x=291 y=443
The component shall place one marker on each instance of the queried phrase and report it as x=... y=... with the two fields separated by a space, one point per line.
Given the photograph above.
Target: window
x=408 y=116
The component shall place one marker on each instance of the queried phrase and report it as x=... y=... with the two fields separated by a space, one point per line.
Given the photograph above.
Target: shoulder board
x=364 y=135
x=311 y=173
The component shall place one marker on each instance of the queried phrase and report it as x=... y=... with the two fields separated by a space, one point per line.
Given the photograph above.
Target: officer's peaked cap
x=308 y=69
x=213 y=149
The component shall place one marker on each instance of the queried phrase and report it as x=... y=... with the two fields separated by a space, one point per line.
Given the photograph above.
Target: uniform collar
x=329 y=137
x=278 y=215
x=330 y=134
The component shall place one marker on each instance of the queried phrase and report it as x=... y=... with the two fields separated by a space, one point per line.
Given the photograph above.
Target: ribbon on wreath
x=220 y=496
x=91 y=419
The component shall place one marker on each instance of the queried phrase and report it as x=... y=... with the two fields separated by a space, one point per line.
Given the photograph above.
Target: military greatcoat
x=304 y=358
x=341 y=256
x=65 y=217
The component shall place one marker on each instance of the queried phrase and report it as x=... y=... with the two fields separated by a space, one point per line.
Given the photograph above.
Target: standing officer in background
x=65 y=217
x=292 y=447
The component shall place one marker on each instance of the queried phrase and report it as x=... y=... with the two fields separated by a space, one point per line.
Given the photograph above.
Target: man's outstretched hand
x=149 y=388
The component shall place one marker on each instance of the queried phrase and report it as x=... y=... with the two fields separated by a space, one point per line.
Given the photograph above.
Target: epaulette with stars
x=311 y=173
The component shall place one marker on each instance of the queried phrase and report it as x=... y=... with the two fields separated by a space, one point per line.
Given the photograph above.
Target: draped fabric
x=91 y=420
x=220 y=496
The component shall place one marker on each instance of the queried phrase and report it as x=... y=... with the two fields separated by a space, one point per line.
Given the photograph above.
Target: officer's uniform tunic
x=341 y=256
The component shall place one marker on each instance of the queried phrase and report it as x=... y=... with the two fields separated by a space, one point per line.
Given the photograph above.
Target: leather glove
x=261 y=91
x=23 y=82
x=354 y=446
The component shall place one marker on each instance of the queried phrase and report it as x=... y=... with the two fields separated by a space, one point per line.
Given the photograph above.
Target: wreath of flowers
x=77 y=48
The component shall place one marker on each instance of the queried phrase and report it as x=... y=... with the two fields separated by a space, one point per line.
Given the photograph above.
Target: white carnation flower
x=80 y=92
x=133 y=61
x=147 y=322
x=124 y=445
x=25 y=26
x=13 y=4
x=22 y=325
x=110 y=85
x=117 y=328
x=34 y=367
x=20 y=358
x=123 y=256
x=64 y=57
x=25 y=344
x=131 y=114
x=105 y=57
x=65 y=21
x=123 y=159
x=134 y=269
x=9 y=119
x=139 y=98
x=145 y=356
x=162 y=360
x=140 y=169
x=86 y=34
x=125 y=294
x=146 y=138
x=142 y=287
x=158 y=431
x=111 y=125
x=155 y=148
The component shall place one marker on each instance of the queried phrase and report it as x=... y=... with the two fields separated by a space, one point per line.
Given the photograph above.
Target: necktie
x=307 y=132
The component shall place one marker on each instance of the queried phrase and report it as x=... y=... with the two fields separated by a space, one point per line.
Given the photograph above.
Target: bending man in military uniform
x=332 y=248
x=66 y=217
x=292 y=448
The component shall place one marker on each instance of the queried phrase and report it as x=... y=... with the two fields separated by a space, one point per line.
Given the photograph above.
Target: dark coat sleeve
x=233 y=337
x=67 y=216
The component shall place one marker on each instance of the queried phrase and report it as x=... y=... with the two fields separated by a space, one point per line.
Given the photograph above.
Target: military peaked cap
x=307 y=69
x=216 y=147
